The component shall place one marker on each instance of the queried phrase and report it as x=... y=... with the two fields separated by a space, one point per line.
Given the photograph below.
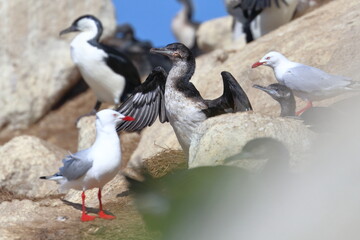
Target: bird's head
x=175 y=51
x=108 y=117
x=271 y=59
x=277 y=91
x=86 y=23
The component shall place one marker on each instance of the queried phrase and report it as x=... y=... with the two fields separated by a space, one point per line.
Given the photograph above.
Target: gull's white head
x=108 y=117
x=271 y=59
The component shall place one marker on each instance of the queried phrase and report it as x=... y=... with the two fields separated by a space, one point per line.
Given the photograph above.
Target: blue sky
x=152 y=18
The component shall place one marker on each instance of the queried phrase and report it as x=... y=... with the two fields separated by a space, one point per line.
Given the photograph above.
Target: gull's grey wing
x=233 y=99
x=76 y=165
x=146 y=103
x=309 y=79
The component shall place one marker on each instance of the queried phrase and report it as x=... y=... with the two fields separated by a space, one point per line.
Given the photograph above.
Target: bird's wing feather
x=234 y=98
x=76 y=165
x=146 y=103
x=309 y=79
x=122 y=65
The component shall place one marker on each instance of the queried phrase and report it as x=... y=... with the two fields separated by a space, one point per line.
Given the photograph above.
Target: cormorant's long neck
x=188 y=8
x=288 y=107
x=181 y=73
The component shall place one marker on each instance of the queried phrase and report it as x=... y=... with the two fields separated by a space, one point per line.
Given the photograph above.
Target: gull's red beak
x=257 y=64
x=128 y=118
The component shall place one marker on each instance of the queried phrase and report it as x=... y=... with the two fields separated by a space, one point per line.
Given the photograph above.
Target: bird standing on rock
x=180 y=102
x=255 y=18
x=109 y=73
x=308 y=83
x=95 y=166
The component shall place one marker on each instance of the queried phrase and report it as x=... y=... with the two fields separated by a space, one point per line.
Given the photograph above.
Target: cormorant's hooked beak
x=162 y=51
x=257 y=64
x=269 y=91
x=72 y=28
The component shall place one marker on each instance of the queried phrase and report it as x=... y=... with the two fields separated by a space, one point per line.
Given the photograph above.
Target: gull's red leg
x=85 y=217
x=308 y=105
x=102 y=214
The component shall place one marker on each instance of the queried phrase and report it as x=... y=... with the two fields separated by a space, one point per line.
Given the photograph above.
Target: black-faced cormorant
x=109 y=73
x=177 y=100
x=184 y=28
x=258 y=17
x=182 y=201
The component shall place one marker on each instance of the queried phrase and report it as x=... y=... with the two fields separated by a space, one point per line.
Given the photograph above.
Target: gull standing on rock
x=308 y=83
x=109 y=73
x=177 y=100
x=95 y=166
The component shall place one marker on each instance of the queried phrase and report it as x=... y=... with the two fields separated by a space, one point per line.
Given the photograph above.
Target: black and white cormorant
x=184 y=27
x=177 y=100
x=180 y=204
x=255 y=18
x=109 y=73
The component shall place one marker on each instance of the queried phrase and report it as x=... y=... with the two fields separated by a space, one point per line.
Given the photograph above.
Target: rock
x=26 y=219
x=87 y=132
x=23 y=160
x=224 y=136
x=334 y=26
x=216 y=34
x=36 y=65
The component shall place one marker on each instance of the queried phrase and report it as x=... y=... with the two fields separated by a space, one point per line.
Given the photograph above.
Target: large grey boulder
x=36 y=68
x=23 y=160
x=224 y=136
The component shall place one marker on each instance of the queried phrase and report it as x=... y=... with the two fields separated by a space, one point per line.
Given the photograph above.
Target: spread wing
x=309 y=79
x=122 y=65
x=146 y=103
x=234 y=98
x=76 y=165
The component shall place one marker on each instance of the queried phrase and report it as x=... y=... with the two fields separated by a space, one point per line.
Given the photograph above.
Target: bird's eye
x=115 y=115
x=176 y=54
x=268 y=58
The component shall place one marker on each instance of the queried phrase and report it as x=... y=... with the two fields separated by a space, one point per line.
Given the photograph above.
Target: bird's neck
x=288 y=107
x=106 y=134
x=187 y=10
x=91 y=36
x=180 y=73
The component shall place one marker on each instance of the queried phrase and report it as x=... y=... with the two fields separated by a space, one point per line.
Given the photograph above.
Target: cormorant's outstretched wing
x=234 y=98
x=146 y=103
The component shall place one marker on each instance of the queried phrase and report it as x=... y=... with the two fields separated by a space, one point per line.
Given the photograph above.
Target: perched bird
x=182 y=204
x=255 y=18
x=306 y=82
x=95 y=166
x=318 y=119
x=184 y=28
x=109 y=73
x=283 y=95
x=177 y=100
x=137 y=50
